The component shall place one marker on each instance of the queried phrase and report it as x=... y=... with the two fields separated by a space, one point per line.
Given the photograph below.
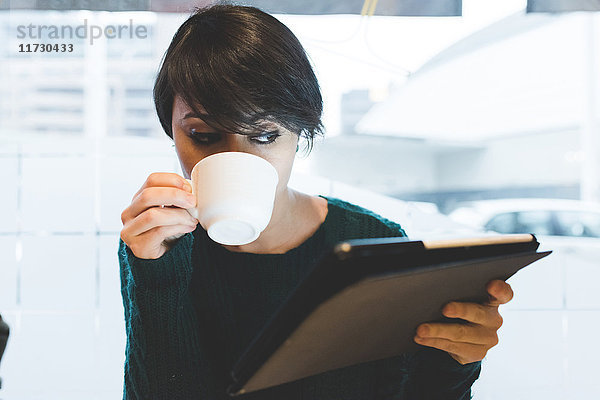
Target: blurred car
x=570 y=228
x=545 y=217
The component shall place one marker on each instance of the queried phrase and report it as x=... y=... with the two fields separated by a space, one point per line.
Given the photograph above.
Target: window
x=578 y=223
x=502 y=223
x=538 y=222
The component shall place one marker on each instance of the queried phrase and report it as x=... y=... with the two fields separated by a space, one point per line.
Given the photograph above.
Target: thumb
x=499 y=292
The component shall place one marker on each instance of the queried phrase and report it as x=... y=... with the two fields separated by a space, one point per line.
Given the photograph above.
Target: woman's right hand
x=149 y=230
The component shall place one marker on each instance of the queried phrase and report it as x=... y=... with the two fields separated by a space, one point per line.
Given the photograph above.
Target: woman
x=236 y=79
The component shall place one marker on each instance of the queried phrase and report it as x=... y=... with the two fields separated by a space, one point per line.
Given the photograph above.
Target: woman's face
x=195 y=140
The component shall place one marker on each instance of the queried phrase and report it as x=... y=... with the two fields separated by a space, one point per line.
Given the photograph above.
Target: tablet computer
x=364 y=300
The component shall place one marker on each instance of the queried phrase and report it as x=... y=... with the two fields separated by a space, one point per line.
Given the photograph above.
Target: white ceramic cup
x=235 y=194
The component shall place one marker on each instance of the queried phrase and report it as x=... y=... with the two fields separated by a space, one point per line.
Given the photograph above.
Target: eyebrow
x=206 y=117
x=195 y=115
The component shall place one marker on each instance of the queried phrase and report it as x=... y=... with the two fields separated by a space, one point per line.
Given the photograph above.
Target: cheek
x=283 y=165
x=188 y=156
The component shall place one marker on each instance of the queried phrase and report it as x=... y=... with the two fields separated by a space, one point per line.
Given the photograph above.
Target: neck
x=280 y=231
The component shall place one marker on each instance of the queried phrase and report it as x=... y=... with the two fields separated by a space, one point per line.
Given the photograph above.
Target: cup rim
x=237 y=153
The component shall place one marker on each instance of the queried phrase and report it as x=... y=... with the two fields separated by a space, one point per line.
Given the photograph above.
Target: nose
x=236 y=142
x=233 y=142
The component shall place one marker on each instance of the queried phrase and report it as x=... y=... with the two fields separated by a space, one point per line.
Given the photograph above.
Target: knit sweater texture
x=191 y=313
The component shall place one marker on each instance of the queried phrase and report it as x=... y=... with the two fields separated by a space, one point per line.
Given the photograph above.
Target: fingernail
x=187 y=186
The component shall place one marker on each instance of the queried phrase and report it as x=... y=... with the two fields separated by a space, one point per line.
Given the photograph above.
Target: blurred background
x=449 y=117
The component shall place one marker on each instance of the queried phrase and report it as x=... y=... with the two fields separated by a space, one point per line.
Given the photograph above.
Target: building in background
x=103 y=88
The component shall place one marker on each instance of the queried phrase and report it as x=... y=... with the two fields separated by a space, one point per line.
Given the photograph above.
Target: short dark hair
x=242 y=65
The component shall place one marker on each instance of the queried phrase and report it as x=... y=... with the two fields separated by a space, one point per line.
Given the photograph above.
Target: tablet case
x=364 y=301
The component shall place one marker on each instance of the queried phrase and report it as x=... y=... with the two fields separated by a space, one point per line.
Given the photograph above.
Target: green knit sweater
x=190 y=314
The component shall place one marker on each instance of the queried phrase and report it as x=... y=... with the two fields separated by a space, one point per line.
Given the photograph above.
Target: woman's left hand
x=469 y=341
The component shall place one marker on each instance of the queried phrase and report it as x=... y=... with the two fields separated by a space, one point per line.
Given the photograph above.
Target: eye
x=204 y=137
x=265 y=137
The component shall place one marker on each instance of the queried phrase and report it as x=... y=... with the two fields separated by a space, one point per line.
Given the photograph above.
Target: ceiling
x=381 y=7
x=305 y=7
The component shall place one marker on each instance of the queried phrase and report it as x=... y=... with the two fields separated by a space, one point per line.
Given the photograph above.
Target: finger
x=463 y=333
x=156 y=216
x=157 y=196
x=463 y=352
x=164 y=179
x=479 y=314
x=150 y=242
x=500 y=292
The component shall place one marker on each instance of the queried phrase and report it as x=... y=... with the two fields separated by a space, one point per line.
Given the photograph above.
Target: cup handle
x=192 y=211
